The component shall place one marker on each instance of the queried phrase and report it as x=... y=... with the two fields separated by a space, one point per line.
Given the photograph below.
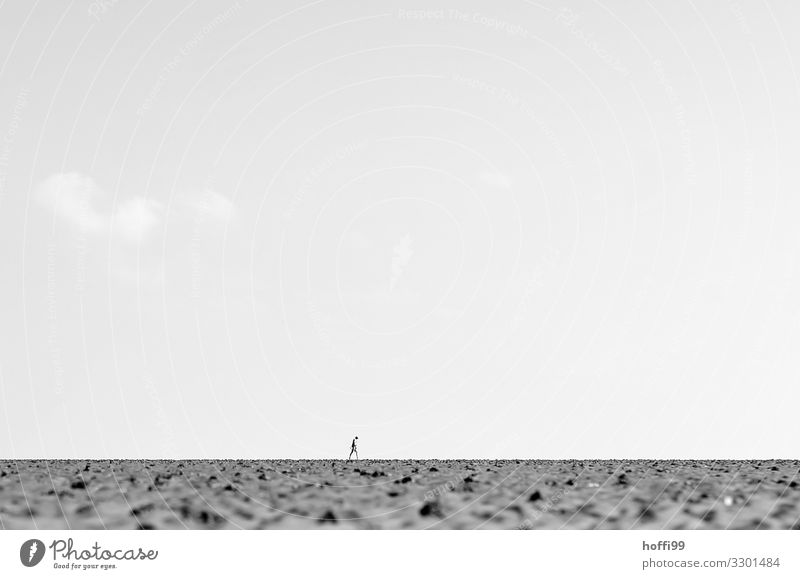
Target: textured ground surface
x=402 y=494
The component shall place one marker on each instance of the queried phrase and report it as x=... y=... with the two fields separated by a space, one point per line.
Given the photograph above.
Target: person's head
x=356 y=438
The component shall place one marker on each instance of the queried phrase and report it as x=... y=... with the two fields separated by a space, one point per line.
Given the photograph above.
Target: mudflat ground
x=399 y=494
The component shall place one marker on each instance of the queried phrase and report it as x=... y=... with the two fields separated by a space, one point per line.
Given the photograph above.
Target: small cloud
x=71 y=197
x=136 y=217
x=74 y=197
x=496 y=179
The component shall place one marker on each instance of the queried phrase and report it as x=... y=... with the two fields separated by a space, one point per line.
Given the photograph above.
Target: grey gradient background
x=512 y=229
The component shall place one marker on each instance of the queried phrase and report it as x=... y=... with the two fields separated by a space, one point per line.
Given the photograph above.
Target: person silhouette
x=353 y=449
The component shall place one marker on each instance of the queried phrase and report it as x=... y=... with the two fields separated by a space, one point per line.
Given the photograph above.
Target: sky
x=503 y=230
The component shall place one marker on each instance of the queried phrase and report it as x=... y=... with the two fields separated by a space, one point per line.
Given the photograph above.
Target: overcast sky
x=513 y=229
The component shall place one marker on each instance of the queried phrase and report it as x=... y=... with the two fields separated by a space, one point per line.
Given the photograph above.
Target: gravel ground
x=399 y=494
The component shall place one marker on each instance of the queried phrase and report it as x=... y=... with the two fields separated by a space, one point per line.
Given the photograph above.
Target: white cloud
x=72 y=197
x=135 y=218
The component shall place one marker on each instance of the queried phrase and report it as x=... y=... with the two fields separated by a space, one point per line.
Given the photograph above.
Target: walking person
x=353 y=449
